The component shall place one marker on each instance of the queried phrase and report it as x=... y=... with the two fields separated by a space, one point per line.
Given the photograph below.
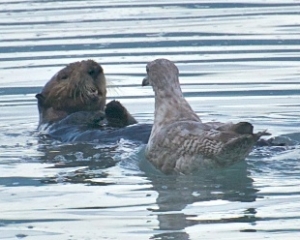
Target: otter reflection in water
x=72 y=107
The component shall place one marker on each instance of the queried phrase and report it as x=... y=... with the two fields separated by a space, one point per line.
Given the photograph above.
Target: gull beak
x=145 y=82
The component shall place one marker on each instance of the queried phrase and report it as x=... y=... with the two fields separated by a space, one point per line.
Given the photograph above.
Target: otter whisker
x=58 y=92
x=76 y=92
x=82 y=97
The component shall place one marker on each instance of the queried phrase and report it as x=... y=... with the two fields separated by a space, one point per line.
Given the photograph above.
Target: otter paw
x=117 y=115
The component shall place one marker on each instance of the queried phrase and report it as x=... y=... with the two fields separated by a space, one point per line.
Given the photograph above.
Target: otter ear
x=101 y=68
x=40 y=98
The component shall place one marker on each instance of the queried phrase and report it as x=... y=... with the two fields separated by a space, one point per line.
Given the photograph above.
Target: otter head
x=80 y=86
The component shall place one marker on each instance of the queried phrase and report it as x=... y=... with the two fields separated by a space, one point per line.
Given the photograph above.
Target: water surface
x=238 y=60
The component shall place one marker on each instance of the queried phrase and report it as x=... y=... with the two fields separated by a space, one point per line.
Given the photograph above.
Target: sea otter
x=72 y=107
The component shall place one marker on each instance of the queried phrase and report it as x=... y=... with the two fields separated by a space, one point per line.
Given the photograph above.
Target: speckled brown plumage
x=179 y=141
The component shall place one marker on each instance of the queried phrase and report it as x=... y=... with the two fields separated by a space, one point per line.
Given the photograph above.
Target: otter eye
x=91 y=72
x=64 y=76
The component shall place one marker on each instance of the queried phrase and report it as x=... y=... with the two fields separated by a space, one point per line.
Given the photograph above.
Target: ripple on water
x=237 y=60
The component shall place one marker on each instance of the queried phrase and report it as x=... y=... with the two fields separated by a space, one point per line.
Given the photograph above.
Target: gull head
x=162 y=74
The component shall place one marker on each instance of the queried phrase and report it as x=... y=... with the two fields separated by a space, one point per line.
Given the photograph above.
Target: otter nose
x=93 y=93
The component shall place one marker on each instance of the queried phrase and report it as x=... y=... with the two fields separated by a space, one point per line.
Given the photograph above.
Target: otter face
x=80 y=86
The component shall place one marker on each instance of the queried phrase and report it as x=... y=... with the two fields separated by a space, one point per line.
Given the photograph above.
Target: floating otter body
x=106 y=127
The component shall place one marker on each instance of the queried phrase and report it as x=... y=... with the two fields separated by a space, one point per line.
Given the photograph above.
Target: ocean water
x=238 y=61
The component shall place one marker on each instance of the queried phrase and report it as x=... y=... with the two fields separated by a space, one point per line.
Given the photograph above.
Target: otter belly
x=76 y=133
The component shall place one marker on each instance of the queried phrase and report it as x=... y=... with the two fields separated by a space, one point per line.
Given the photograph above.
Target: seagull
x=179 y=142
